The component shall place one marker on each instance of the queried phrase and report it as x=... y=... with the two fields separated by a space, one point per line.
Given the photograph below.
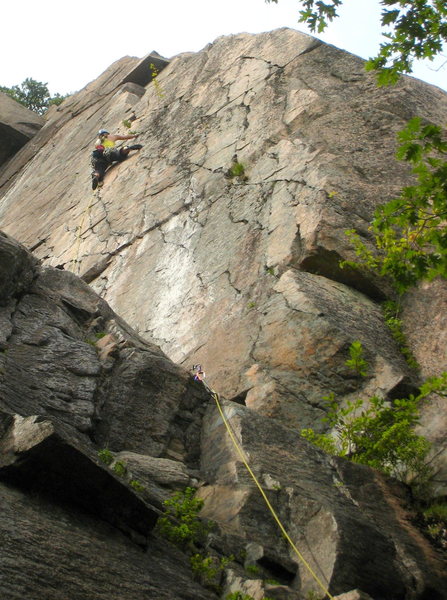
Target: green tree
x=379 y=433
x=415 y=29
x=33 y=94
x=180 y=523
x=410 y=232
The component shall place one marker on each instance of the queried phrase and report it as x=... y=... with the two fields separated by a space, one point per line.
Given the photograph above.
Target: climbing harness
x=199 y=375
x=215 y=397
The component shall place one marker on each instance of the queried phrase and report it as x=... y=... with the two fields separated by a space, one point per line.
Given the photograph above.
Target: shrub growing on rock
x=180 y=523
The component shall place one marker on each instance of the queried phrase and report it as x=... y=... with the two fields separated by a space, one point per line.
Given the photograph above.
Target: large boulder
x=124 y=395
x=70 y=526
x=338 y=514
x=17 y=126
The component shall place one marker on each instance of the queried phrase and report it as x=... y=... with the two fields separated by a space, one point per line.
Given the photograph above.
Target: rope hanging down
x=85 y=213
x=199 y=377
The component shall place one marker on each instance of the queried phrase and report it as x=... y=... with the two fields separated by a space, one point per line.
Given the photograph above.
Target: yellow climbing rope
x=79 y=230
x=270 y=507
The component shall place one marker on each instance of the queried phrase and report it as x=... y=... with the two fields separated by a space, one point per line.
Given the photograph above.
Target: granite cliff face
x=75 y=379
x=237 y=271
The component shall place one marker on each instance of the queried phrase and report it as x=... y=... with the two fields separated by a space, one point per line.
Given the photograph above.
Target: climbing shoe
x=135 y=147
x=95 y=182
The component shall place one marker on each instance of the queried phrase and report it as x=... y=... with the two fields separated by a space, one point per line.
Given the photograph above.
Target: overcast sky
x=67 y=45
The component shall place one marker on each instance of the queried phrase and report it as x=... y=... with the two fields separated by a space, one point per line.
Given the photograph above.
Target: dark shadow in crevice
x=327 y=264
x=276 y=570
x=240 y=398
x=403 y=389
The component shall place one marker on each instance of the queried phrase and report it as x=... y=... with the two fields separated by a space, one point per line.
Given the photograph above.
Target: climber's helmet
x=103 y=132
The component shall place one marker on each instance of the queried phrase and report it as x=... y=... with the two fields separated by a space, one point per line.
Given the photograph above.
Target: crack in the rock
x=139 y=236
x=232 y=285
x=252 y=350
x=313 y=46
x=37 y=244
x=264 y=60
x=199 y=277
x=218 y=276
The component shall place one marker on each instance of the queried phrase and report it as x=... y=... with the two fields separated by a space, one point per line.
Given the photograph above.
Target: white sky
x=67 y=45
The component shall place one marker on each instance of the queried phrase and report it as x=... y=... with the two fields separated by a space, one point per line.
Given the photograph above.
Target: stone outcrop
x=52 y=553
x=336 y=513
x=17 y=126
x=251 y=263
x=39 y=456
x=70 y=527
x=76 y=380
x=219 y=242
x=242 y=272
x=58 y=320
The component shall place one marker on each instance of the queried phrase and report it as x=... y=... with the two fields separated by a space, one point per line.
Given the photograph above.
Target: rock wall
x=75 y=380
x=239 y=273
x=17 y=126
x=237 y=269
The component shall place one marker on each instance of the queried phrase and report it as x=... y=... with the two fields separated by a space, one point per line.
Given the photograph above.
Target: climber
x=199 y=375
x=106 y=153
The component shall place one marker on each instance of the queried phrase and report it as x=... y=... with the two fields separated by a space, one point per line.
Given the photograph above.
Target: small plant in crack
x=137 y=485
x=357 y=363
x=154 y=74
x=237 y=171
x=180 y=523
x=253 y=569
x=120 y=468
x=105 y=456
x=208 y=569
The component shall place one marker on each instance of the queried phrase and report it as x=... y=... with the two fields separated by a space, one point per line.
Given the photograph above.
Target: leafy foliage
x=105 y=456
x=180 y=523
x=380 y=434
x=241 y=596
x=437 y=511
x=238 y=596
x=33 y=94
x=417 y=30
x=253 y=569
x=120 y=468
x=391 y=312
x=208 y=569
x=410 y=232
x=317 y=14
x=137 y=485
x=435 y=524
x=237 y=171
x=438 y=385
x=357 y=362
x=154 y=74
